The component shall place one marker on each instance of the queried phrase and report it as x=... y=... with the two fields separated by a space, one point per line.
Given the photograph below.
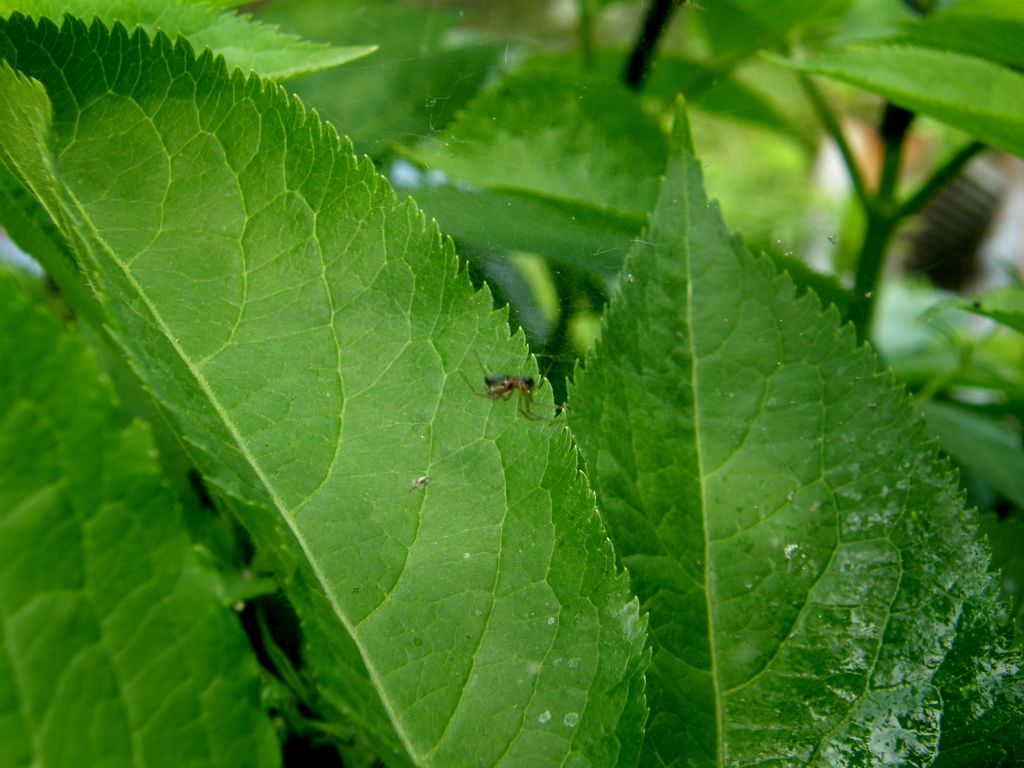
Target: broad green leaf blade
x=552 y=161
x=720 y=92
x=309 y=338
x=982 y=723
x=825 y=287
x=971 y=94
x=784 y=16
x=803 y=554
x=737 y=28
x=997 y=38
x=556 y=134
x=565 y=233
x=1007 y=540
x=243 y=42
x=115 y=650
x=425 y=69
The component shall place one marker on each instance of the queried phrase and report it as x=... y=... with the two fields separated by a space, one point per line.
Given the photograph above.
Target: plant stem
x=895 y=123
x=587 y=33
x=882 y=210
x=654 y=25
x=882 y=219
x=939 y=179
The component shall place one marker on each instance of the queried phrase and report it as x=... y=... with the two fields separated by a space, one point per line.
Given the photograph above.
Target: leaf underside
x=311 y=341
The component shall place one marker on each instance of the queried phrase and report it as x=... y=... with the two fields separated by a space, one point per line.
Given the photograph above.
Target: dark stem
x=587 y=33
x=869 y=267
x=895 y=123
x=882 y=219
x=654 y=25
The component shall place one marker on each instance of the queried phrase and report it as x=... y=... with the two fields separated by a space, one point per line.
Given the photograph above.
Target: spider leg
x=472 y=388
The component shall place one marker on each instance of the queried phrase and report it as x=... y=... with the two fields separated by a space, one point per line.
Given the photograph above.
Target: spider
x=502 y=386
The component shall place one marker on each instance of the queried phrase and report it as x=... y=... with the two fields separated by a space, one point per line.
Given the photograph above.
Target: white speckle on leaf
x=533 y=668
x=892 y=744
x=841 y=693
x=571 y=719
x=551 y=621
x=544 y=716
x=789 y=549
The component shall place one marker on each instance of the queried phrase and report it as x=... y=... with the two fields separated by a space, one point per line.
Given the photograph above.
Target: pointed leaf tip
x=803 y=555
x=682 y=137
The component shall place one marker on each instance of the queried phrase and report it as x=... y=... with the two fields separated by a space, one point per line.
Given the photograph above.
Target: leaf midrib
x=261 y=475
x=712 y=650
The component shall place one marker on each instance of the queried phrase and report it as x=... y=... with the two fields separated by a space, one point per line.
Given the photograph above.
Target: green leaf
x=566 y=233
x=825 y=287
x=971 y=94
x=115 y=650
x=1007 y=539
x=997 y=38
x=410 y=88
x=1004 y=305
x=720 y=92
x=561 y=163
x=309 y=337
x=930 y=343
x=868 y=21
x=784 y=16
x=802 y=552
x=737 y=28
x=244 y=43
x=988 y=448
x=982 y=724
x=553 y=133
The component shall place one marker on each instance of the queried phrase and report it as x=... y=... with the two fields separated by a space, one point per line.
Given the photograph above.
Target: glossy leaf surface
x=803 y=553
